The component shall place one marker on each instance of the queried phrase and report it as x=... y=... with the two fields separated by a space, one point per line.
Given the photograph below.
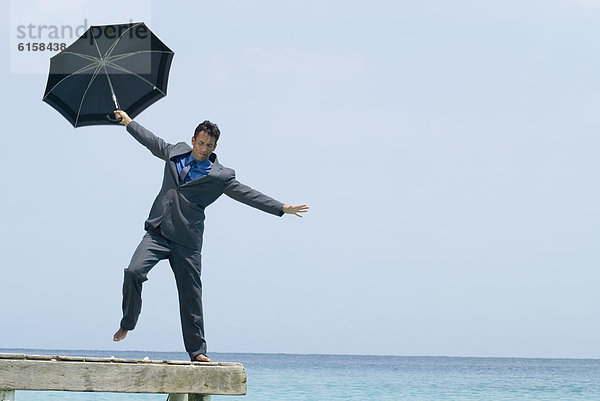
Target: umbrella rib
x=97 y=48
x=85 y=92
x=79 y=71
x=118 y=67
x=114 y=44
x=85 y=56
x=124 y=55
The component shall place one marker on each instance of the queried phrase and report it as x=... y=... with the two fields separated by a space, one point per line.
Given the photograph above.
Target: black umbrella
x=110 y=67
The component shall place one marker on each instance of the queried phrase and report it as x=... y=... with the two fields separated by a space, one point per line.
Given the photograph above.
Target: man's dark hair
x=210 y=128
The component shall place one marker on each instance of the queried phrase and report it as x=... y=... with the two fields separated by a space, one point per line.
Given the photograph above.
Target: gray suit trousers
x=186 y=265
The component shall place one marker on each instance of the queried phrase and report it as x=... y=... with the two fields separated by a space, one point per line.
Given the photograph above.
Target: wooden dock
x=181 y=379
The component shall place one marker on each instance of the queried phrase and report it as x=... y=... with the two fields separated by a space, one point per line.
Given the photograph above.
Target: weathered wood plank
x=28 y=372
x=7 y=395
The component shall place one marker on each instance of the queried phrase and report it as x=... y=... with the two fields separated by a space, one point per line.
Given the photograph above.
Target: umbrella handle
x=112 y=119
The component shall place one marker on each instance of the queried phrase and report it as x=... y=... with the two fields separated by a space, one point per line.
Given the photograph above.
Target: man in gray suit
x=193 y=179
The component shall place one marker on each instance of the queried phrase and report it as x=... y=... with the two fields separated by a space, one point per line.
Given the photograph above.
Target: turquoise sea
x=357 y=377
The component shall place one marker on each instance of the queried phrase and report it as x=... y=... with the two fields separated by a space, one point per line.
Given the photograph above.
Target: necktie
x=184 y=172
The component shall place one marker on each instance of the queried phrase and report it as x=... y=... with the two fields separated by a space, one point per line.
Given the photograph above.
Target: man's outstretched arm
x=251 y=197
x=156 y=145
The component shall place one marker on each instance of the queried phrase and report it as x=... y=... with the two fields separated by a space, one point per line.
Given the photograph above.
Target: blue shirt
x=198 y=170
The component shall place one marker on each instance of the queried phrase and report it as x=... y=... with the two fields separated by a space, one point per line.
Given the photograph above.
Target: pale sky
x=448 y=152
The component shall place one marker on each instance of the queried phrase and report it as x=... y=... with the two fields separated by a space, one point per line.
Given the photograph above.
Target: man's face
x=203 y=145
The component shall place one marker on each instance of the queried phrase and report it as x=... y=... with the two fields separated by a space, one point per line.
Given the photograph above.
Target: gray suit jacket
x=179 y=209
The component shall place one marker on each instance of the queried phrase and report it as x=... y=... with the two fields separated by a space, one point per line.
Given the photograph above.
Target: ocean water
x=354 y=377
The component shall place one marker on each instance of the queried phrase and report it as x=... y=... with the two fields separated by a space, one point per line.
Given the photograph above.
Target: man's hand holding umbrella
x=124 y=117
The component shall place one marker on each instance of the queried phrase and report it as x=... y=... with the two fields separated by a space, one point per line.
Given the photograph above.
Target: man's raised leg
x=153 y=248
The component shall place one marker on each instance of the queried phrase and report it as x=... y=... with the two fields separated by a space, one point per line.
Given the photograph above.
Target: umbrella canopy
x=109 y=67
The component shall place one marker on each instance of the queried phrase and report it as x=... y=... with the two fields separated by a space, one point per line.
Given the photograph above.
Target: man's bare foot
x=120 y=335
x=202 y=358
